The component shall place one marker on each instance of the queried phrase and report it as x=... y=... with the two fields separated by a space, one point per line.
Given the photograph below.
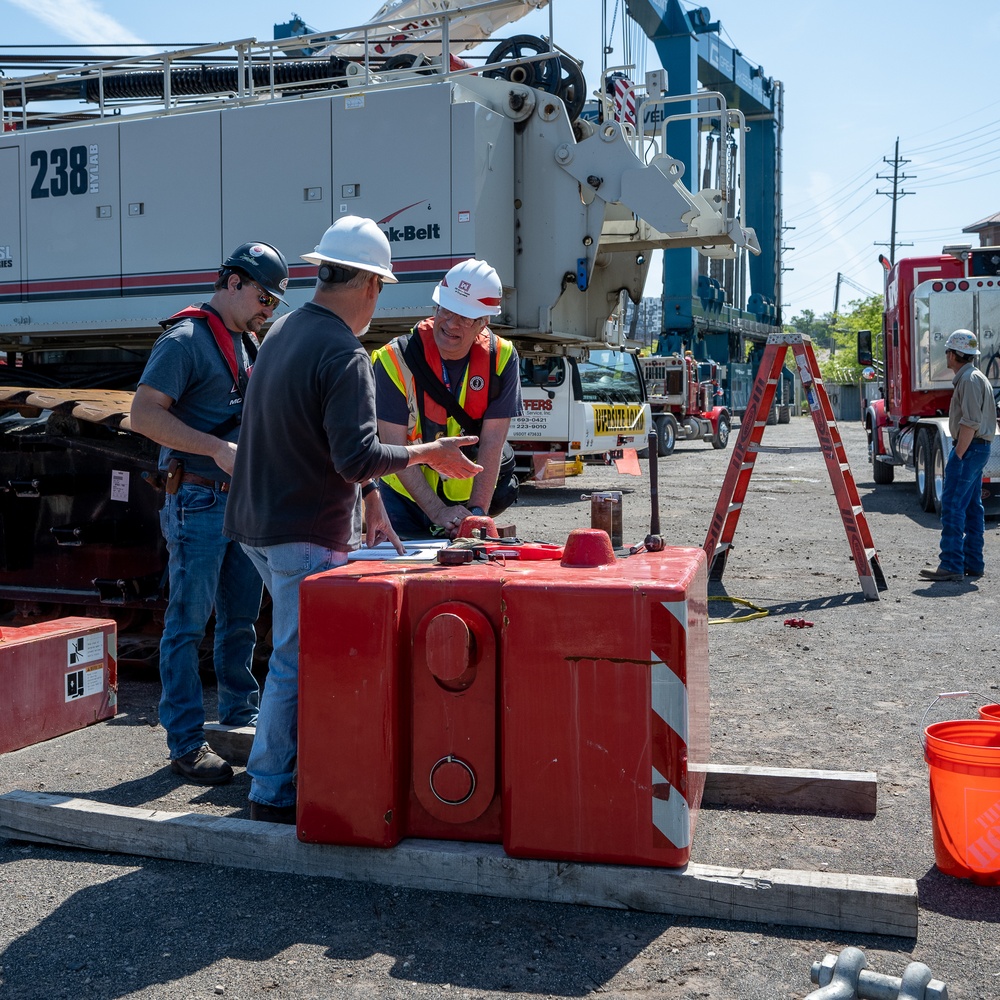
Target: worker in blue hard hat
x=189 y=401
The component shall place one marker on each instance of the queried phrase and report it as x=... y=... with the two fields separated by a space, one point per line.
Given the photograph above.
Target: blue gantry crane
x=709 y=307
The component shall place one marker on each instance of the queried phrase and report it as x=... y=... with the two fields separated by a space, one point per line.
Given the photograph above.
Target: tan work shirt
x=972 y=403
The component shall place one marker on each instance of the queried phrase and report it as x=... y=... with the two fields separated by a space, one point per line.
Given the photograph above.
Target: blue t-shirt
x=187 y=365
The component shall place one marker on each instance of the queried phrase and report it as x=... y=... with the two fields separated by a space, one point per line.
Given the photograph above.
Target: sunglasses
x=265 y=298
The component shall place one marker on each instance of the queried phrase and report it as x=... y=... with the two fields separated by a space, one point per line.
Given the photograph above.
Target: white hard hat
x=962 y=341
x=471 y=289
x=355 y=242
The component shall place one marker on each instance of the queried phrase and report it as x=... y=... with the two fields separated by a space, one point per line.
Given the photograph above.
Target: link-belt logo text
x=406 y=234
x=618 y=419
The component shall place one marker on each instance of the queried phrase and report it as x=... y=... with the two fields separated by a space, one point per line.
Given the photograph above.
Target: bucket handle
x=946 y=694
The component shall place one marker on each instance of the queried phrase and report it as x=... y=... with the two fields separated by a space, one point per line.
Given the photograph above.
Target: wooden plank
x=796 y=789
x=231 y=743
x=740 y=786
x=852 y=903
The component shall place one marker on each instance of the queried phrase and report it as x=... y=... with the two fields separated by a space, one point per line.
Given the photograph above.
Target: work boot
x=941 y=575
x=272 y=814
x=203 y=766
x=976 y=573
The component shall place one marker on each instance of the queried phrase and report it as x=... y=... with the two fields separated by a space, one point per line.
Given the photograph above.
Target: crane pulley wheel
x=572 y=87
x=408 y=60
x=543 y=75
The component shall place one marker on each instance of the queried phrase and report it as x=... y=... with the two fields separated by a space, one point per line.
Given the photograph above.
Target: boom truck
x=927 y=299
x=118 y=215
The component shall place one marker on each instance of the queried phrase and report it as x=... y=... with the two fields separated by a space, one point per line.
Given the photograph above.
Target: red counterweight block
x=56 y=677
x=605 y=695
x=398 y=730
x=592 y=675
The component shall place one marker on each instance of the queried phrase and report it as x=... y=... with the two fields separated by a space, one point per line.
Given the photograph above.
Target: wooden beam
x=231 y=743
x=794 y=788
x=851 y=903
x=740 y=786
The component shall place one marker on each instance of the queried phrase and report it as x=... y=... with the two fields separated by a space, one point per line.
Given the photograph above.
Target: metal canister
x=606 y=514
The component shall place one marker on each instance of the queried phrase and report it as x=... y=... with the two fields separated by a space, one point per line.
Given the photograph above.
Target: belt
x=196 y=480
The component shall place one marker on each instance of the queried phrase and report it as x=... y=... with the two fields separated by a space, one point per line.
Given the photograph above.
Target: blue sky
x=856 y=75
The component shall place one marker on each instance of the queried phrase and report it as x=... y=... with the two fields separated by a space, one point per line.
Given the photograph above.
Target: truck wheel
x=924 y=471
x=666 y=435
x=721 y=437
x=937 y=474
x=784 y=414
x=882 y=472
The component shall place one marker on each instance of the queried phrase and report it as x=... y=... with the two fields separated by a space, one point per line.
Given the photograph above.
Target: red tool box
x=56 y=677
x=552 y=707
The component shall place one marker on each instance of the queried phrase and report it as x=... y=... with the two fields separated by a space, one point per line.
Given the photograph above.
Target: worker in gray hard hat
x=450 y=375
x=189 y=401
x=308 y=458
x=972 y=421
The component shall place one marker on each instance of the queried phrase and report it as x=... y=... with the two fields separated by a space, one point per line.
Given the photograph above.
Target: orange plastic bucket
x=964 y=759
x=990 y=712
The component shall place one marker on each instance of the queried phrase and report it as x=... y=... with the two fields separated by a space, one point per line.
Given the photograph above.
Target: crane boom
x=417 y=27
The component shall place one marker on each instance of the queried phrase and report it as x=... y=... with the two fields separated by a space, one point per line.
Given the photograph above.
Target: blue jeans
x=275 y=744
x=206 y=570
x=962 y=521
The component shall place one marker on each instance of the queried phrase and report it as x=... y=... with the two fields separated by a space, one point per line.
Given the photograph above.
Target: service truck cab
x=574 y=408
x=927 y=299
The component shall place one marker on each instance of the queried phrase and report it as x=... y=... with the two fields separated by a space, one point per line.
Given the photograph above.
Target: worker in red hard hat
x=972 y=421
x=450 y=375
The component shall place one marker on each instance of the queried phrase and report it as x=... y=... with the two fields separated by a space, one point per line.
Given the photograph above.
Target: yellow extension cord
x=757 y=612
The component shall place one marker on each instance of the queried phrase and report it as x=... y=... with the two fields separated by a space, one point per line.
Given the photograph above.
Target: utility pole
x=897 y=179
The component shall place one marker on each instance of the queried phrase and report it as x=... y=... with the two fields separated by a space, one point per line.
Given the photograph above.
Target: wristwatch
x=477 y=511
x=368 y=488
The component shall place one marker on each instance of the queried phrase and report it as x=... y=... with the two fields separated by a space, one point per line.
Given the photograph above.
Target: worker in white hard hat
x=450 y=375
x=972 y=421
x=308 y=458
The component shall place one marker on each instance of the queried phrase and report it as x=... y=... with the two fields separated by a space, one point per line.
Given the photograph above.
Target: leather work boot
x=941 y=575
x=272 y=814
x=203 y=766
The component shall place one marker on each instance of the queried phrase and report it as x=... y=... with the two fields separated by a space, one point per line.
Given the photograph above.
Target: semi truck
x=927 y=299
x=686 y=399
x=118 y=212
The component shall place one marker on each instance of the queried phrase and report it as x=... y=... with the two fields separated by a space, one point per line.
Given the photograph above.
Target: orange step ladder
x=719 y=540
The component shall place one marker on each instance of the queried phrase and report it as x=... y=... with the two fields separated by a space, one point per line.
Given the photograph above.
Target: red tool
x=798 y=623
x=456 y=555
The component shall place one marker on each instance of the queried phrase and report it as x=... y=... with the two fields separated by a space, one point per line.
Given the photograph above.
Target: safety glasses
x=265 y=298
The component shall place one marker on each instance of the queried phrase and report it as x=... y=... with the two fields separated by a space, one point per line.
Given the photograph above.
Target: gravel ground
x=846 y=694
